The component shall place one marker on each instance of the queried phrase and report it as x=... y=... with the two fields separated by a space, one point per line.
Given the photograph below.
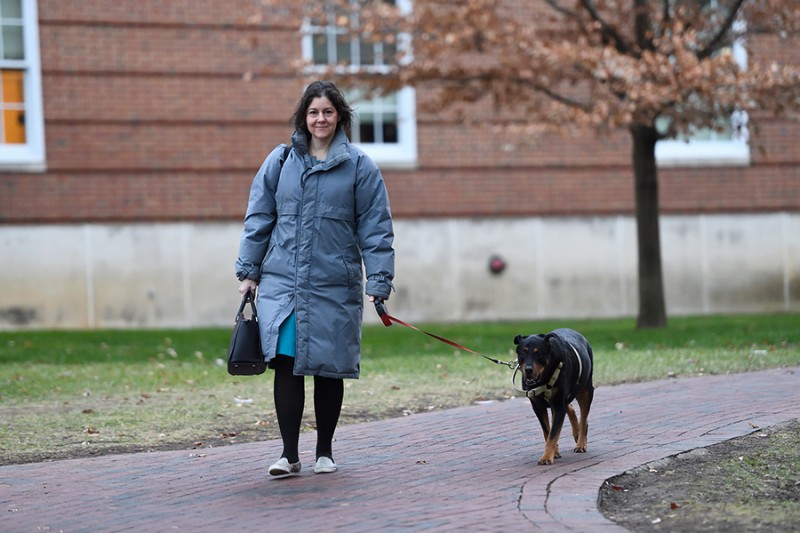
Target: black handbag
x=244 y=353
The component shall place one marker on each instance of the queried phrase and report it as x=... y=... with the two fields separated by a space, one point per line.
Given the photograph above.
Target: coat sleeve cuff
x=379 y=287
x=244 y=273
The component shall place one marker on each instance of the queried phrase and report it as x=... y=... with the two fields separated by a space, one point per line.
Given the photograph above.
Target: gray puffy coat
x=306 y=232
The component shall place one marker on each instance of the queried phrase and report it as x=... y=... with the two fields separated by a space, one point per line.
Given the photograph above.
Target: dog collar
x=547 y=388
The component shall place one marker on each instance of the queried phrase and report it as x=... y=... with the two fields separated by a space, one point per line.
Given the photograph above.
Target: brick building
x=124 y=188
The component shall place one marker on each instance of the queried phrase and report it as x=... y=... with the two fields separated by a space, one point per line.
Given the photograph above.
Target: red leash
x=387 y=320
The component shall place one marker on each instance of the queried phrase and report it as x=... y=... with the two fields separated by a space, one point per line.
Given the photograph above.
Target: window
x=708 y=147
x=21 y=121
x=725 y=146
x=385 y=127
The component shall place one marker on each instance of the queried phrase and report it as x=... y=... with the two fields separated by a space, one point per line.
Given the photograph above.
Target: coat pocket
x=354 y=274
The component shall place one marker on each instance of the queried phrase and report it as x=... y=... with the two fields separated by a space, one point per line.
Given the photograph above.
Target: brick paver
x=472 y=468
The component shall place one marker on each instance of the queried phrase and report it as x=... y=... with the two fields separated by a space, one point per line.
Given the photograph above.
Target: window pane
x=389 y=53
x=390 y=128
x=14 y=126
x=12 y=42
x=13 y=107
x=366 y=128
x=319 y=49
x=343 y=49
x=11 y=9
x=367 y=52
x=12 y=87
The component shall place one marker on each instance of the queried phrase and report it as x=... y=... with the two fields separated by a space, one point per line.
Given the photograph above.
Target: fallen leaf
x=674 y=506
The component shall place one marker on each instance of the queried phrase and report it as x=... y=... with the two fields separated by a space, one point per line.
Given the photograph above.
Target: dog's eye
x=535 y=350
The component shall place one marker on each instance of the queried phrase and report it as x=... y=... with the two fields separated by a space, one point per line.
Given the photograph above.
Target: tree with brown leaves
x=656 y=68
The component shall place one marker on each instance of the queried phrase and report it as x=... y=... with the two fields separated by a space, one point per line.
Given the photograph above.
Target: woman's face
x=321 y=119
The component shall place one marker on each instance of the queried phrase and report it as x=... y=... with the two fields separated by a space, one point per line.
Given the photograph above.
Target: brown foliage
x=603 y=64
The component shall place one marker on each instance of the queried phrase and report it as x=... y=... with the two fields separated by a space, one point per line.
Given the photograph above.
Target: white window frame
x=403 y=153
x=28 y=157
x=734 y=152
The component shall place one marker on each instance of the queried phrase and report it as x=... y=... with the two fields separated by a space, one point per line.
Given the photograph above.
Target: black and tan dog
x=556 y=369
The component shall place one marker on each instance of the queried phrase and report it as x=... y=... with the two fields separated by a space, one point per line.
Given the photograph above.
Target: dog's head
x=534 y=355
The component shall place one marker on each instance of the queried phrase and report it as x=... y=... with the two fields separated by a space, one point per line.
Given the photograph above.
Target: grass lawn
x=74 y=393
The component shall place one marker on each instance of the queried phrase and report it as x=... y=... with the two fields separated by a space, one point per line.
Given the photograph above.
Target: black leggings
x=290 y=399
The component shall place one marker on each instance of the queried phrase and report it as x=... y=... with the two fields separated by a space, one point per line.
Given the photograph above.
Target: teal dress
x=287 y=336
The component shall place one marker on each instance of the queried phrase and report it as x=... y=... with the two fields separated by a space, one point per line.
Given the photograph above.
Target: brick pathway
x=472 y=468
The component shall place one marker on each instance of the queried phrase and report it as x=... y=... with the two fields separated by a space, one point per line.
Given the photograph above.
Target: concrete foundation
x=181 y=275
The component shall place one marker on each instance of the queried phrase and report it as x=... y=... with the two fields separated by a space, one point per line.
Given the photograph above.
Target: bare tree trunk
x=652 y=309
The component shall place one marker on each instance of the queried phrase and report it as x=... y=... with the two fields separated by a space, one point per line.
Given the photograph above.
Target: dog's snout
x=530 y=375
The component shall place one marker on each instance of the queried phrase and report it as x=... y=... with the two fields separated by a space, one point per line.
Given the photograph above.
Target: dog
x=556 y=369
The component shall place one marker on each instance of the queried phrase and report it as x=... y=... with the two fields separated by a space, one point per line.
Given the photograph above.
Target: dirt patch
x=751 y=483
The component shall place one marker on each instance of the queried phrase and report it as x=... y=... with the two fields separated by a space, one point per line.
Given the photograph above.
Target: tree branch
x=463 y=80
x=560 y=9
x=715 y=42
x=666 y=19
x=561 y=99
x=644 y=33
x=608 y=30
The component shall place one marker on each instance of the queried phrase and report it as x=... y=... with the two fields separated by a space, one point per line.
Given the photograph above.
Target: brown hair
x=319 y=89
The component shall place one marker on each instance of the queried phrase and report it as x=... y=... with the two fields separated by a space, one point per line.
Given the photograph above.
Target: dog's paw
x=545 y=461
x=580 y=449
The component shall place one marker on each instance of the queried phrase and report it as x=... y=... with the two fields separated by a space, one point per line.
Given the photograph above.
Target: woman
x=311 y=220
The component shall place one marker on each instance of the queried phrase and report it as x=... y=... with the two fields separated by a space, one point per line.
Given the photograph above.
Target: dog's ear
x=555 y=342
x=517 y=339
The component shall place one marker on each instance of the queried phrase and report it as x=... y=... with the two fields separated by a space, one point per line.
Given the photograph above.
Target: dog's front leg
x=540 y=410
x=551 y=444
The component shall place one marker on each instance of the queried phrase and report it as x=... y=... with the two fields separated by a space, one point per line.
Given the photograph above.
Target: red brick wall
x=162 y=111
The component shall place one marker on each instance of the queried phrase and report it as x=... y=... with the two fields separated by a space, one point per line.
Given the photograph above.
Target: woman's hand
x=248 y=285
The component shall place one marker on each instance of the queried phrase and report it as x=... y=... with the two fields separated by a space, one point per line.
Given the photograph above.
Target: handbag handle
x=248 y=296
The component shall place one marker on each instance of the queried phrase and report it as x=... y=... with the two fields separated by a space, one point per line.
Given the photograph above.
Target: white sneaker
x=325 y=465
x=283 y=468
